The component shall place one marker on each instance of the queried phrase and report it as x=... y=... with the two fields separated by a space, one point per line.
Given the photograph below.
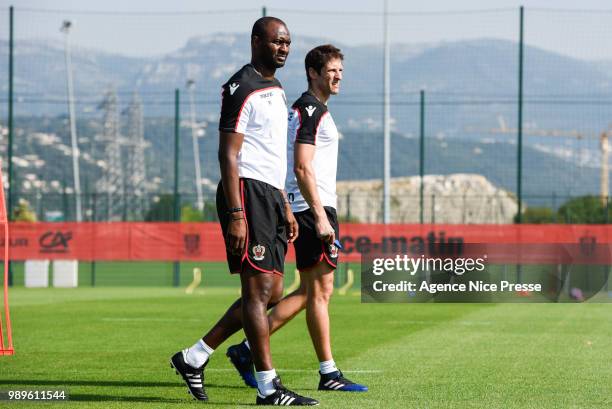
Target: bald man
x=255 y=216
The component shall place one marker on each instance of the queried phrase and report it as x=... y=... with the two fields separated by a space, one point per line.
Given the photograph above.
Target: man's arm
x=306 y=179
x=230 y=144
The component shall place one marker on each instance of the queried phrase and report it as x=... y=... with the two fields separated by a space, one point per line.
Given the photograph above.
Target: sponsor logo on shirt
x=310 y=109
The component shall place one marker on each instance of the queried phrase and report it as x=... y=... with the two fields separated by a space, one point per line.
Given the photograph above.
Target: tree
x=161 y=210
x=537 y=215
x=23 y=212
x=190 y=214
x=584 y=209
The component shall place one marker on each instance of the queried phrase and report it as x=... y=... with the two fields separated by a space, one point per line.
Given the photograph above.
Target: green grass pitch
x=109 y=348
x=156 y=273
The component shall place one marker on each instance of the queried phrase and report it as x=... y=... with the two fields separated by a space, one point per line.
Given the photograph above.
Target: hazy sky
x=150 y=27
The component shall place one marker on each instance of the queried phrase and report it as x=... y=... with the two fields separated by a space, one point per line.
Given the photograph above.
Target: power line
x=351 y=102
x=554 y=10
x=304 y=11
x=137 y=13
x=394 y=13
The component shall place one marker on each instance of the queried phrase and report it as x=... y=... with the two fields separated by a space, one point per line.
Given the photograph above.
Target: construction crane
x=603 y=146
x=112 y=182
x=135 y=146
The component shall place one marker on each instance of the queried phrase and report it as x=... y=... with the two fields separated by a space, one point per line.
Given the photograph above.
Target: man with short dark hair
x=256 y=218
x=311 y=189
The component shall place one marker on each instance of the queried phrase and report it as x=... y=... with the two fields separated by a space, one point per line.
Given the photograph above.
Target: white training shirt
x=257 y=108
x=310 y=122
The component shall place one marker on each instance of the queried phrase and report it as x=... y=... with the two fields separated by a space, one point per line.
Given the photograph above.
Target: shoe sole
x=186 y=384
x=341 y=390
x=271 y=404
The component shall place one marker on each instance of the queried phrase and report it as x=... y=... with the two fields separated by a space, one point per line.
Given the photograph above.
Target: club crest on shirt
x=333 y=251
x=258 y=252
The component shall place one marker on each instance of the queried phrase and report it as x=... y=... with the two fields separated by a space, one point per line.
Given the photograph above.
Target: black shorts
x=309 y=249
x=264 y=209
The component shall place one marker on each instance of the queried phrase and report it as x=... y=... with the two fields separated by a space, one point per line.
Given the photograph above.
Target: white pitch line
x=151 y=319
x=436 y=322
x=300 y=370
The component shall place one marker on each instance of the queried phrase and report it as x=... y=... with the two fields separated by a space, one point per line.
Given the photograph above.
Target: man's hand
x=292 y=225
x=324 y=230
x=237 y=233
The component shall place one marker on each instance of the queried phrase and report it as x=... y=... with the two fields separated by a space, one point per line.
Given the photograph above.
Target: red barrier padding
x=203 y=241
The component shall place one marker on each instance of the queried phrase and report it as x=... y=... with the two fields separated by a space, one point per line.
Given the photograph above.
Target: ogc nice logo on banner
x=191 y=243
x=588 y=244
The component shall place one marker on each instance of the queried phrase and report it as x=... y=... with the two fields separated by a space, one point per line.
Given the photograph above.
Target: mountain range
x=470 y=91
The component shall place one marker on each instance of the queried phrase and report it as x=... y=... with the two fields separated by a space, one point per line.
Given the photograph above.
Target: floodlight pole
x=386 y=120
x=11 y=188
x=196 y=147
x=73 y=132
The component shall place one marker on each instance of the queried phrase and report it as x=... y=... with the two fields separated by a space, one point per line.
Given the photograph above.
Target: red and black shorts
x=309 y=249
x=264 y=209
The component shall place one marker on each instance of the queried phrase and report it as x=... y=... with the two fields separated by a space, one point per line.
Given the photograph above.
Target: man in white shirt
x=256 y=219
x=311 y=189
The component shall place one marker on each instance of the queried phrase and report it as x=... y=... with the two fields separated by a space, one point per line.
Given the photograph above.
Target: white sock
x=264 y=382
x=198 y=353
x=326 y=367
x=246 y=342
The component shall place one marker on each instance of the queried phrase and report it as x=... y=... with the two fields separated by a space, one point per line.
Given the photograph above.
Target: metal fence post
x=177 y=206
x=348 y=206
x=519 y=163
x=433 y=208
x=386 y=119
x=422 y=152
x=93 y=260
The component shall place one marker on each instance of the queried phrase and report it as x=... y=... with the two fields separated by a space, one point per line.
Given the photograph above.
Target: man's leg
x=320 y=286
x=319 y=289
x=314 y=293
x=191 y=361
x=287 y=308
x=283 y=312
x=259 y=290
x=227 y=326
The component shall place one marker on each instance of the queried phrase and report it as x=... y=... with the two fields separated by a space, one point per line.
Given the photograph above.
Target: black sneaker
x=240 y=356
x=193 y=377
x=335 y=381
x=284 y=397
